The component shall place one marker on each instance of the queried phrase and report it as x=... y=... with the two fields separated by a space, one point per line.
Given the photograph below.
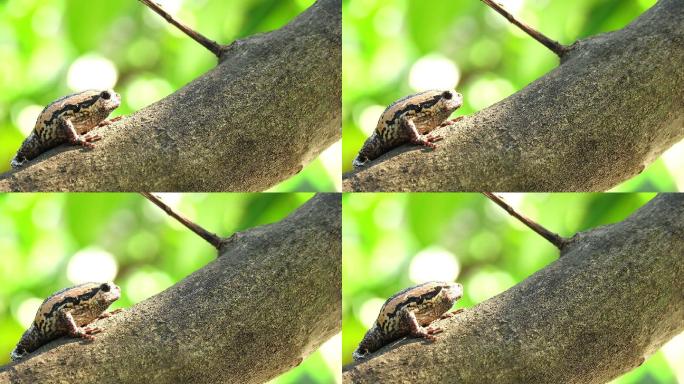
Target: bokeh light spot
x=513 y=6
x=145 y=283
x=489 y=283
x=47 y=213
x=434 y=263
x=143 y=92
x=26 y=119
x=369 y=311
x=46 y=20
x=92 y=264
x=388 y=213
x=92 y=71
x=369 y=117
x=388 y=21
x=487 y=91
x=331 y=351
x=674 y=162
x=674 y=354
x=170 y=6
x=27 y=311
x=331 y=158
x=434 y=71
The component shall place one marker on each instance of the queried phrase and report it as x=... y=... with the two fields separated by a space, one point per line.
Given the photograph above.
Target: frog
x=410 y=120
x=68 y=121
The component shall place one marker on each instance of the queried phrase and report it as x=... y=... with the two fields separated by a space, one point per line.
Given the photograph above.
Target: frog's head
x=450 y=100
x=451 y=292
x=108 y=100
x=107 y=293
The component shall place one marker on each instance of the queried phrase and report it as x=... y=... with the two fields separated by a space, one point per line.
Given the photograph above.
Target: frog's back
x=409 y=296
x=64 y=106
x=396 y=109
x=63 y=297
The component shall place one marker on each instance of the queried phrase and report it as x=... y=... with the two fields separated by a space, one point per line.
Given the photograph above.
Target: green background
x=41 y=40
x=383 y=39
x=384 y=236
x=40 y=234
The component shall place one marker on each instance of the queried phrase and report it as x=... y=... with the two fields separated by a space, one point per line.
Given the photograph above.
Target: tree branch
x=553 y=45
x=612 y=107
x=269 y=108
x=558 y=241
x=269 y=300
x=612 y=300
x=211 y=238
x=207 y=43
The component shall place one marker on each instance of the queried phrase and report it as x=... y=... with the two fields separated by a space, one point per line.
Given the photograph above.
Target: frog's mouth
x=116 y=101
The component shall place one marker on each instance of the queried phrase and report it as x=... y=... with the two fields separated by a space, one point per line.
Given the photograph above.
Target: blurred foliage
x=393 y=241
x=124 y=236
x=393 y=48
x=54 y=48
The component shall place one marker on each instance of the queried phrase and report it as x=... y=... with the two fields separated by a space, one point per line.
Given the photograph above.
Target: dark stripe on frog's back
x=74 y=108
x=77 y=294
x=396 y=109
x=406 y=98
x=419 y=294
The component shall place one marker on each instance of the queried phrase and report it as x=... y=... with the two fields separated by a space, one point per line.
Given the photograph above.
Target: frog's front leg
x=74 y=138
x=409 y=322
x=410 y=130
x=73 y=329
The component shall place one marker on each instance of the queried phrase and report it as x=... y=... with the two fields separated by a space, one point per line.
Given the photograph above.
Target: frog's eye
x=105 y=95
x=447 y=95
x=105 y=287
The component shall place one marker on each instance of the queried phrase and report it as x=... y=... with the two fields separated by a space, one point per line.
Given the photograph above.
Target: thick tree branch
x=612 y=107
x=611 y=300
x=269 y=300
x=269 y=108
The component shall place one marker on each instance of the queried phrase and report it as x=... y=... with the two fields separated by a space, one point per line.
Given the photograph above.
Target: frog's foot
x=85 y=141
x=427 y=140
x=85 y=333
x=451 y=121
x=105 y=315
x=429 y=332
x=92 y=330
x=107 y=122
x=92 y=137
x=451 y=314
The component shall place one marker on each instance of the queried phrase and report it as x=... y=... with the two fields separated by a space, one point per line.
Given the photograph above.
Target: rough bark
x=612 y=107
x=270 y=299
x=269 y=107
x=612 y=299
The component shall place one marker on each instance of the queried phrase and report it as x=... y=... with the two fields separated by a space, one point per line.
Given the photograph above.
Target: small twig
x=556 y=47
x=211 y=45
x=554 y=238
x=203 y=233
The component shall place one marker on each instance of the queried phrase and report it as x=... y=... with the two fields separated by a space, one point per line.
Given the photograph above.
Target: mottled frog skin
x=65 y=313
x=67 y=120
x=409 y=120
x=408 y=312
